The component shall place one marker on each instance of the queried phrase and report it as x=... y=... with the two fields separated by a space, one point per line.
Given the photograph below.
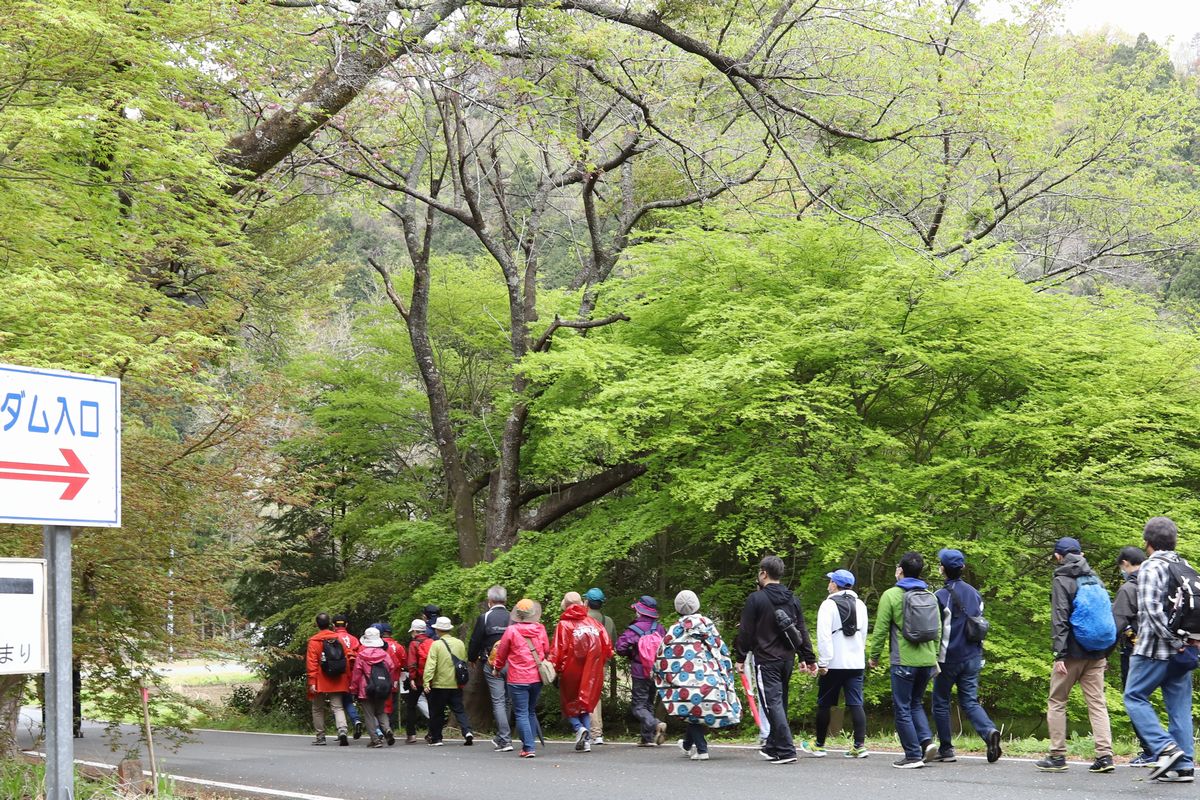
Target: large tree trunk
x=12 y=689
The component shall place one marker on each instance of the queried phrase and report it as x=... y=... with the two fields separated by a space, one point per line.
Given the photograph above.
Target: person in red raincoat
x=580 y=649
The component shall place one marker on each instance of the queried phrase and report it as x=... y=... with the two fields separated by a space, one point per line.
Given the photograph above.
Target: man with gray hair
x=489 y=627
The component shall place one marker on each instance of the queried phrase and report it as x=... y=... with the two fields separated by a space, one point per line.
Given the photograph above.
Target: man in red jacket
x=328 y=668
x=350 y=642
x=418 y=650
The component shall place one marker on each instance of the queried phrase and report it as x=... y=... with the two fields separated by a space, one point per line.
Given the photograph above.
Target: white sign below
x=23 y=609
x=60 y=448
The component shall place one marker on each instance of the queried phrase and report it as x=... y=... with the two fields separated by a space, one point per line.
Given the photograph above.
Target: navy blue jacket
x=954 y=637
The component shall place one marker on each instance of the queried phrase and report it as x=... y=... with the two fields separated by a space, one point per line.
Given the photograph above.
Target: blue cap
x=952 y=558
x=842 y=577
x=1067 y=545
x=594 y=595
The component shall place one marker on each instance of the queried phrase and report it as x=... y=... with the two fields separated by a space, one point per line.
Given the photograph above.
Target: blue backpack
x=1091 y=618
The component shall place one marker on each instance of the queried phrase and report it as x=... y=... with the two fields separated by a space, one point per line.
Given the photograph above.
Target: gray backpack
x=922 y=616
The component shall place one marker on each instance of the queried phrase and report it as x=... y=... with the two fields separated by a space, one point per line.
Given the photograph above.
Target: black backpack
x=462 y=673
x=333 y=657
x=847 y=607
x=1183 y=600
x=379 y=682
x=974 y=628
x=784 y=620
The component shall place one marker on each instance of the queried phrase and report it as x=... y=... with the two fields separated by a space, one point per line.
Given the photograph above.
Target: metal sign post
x=60 y=466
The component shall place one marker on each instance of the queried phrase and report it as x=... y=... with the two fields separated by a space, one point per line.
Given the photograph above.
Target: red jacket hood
x=574 y=612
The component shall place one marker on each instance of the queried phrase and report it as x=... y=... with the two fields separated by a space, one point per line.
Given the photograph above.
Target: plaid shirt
x=1155 y=639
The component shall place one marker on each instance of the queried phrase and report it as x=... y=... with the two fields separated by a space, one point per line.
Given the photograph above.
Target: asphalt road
x=417 y=772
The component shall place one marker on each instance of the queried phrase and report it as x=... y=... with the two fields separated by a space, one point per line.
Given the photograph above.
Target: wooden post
x=150 y=739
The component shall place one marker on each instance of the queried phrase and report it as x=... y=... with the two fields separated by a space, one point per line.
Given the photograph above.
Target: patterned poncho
x=695 y=676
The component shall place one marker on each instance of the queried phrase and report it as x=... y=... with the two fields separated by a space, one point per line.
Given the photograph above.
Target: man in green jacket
x=595 y=603
x=910 y=620
x=441 y=686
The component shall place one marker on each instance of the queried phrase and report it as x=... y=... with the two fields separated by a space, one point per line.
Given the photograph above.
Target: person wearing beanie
x=441 y=683
x=579 y=651
x=374 y=679
x=399 y=655
x=1075 y=664
x=841 y=660
x=328 y=667
x=414 y=698
x=960 y=660
x=639 y=643
x=694 y=676
x=489 y=628
x=350 y=642
x=521 y=649
x=595 y=603
x=775 y=647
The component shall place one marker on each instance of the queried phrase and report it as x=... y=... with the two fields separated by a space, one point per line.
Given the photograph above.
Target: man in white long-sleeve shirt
x=841 y=659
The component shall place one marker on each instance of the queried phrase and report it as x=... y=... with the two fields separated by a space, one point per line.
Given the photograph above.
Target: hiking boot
x=501 y=747
x=1102 y=764
x=856 y=752
x=993 y=746
x=1166 y=759
x=660 y=733
x=391 y=737
x=1052 y=764
x=319 y=741
x=358 y=730
x=700 y=757
x=410 y=740
x=688 y=752
x=374 y=743
x=1142 y=760
x=1177 y=776
x=908 y=763
x=468 y=739
x=947 y=756
x=342 y=740
x=930 y=750
x=580 y=738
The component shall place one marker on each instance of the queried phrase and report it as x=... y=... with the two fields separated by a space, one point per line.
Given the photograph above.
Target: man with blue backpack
x=639 y=643
x=1084 y=633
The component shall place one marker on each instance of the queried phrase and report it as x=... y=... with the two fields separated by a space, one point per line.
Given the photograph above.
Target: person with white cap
x=375 y=677
x=442 y=685
x=418 y=650
x=841 y=660
x=695 y=678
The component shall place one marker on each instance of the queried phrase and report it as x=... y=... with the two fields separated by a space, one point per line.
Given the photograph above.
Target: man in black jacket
x=489 y=627
x=760 y=633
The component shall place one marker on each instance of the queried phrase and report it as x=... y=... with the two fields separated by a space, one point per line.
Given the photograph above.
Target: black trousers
x=439 y=701
x=773 y=679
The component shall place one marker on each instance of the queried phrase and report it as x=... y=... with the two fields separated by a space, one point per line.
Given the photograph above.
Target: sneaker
x=993 y=746
x=342 y=740
x=1052 y=764
x=427 y=739
x=502 y=748
x=580 y=738
x=644 y=743
x=374 y=743
x=437 y=744
x=930 y=750
x=688 y=752
x=468 y=739
x=785 y=760
x=765 y=755
x=1102 y=764
x=358 y=730
x=1177 y=776
x=802 y=746
x=660 y=733
x=1166 y=759
x=947 y=756
x=817 y=751
x=700 y=757
x=319 y=741
x=528 y=754
x=391 y=737
x=1142 y=760
x=856 y=752
x=587 y=745
x=908 y=763
x=597 y=740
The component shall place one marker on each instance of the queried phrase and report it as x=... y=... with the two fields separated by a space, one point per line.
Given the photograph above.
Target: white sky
x=1159 y=19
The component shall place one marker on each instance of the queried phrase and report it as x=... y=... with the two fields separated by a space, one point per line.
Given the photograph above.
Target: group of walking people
x=930 y=637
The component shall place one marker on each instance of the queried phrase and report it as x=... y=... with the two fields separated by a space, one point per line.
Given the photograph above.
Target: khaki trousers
x=318 y=712
x=1089 y=674
x=598 y=719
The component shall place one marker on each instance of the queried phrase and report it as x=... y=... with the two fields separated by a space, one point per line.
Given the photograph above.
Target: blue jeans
x=351 y=709
x=695 y=737
x=908 y=707
x=524 y=700
x=965 y=676
x=1146 y=675
x=582 y=721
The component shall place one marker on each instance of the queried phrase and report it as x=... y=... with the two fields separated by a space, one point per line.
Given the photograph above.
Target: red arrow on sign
x=75 y=477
